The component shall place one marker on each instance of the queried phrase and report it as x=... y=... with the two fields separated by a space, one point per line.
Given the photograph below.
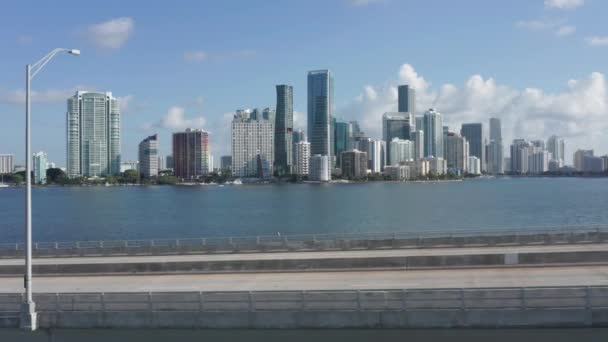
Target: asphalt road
x=463 y=278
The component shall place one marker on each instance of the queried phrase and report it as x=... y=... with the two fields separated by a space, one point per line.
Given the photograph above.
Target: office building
x=377 y=156
x=401 y=151
x=474 y=165
x=593 y=164
x=556 y=146
x=473 y=132
x=437 y=166
x=318 y=168
x=457 y=153
x=162 y=163
x=406 y=99
x=354 y=164
x=7 y=163
x=419 y=123
x=520 y=149
x=579 y=156
x=302 y=154
x=342 y=136
x=39 y=163
x=283 y=130
x=495 y=157
x=418 y=140
x=191 y=153
x=129 y=165
x=494 y=152
x=93 y=135
x=396 y=125
x=433 y=134
x=320 y=106
x=225 y=164
x=148 y=157
x=538 y=161
x=252 y=147
x=169 y=162
x=397 y=172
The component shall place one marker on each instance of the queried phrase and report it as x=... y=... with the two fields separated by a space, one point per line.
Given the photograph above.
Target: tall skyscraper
x=419 y=123
x=252 y=147
x=225 y=163
x=148 y=157
x=555 y=146
x=494 y=156
x=320 y=107
x=520 y=151
x=407 y=99
x=396 y=125
x=433 y=134
x=457 y=153
x=169 y=162
x=191 y=153
x=377 y=156
x=342 y=136
x=473 y=132
x=283 y=131
x=93 y=135
x=7 y=163
x=302 y=153
x=418 y=140
x=40 y=161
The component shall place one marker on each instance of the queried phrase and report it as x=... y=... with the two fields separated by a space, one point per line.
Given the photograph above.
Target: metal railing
x=340 y=300
x=309 y=238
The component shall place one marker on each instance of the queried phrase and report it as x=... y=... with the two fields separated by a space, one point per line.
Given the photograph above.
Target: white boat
x=2 y=185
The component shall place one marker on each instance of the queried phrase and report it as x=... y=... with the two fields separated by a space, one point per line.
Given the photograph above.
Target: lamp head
x=74 y=52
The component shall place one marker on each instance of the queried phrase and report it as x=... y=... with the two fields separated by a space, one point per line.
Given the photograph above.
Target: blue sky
x=539 y=65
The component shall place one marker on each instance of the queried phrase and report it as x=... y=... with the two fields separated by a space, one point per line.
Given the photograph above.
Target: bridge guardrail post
x=358 y=300
x=251 y=303
x=201 y=302
x=303 y=300
x=588 y=307
x=150 y=306
x=524 y=304
x=102 y=298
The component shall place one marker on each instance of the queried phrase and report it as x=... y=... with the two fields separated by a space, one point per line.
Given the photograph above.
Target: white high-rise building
x=457 y=153
x=93 y=135
x=437 y=165
x=377 y=156
x=302 y=155
x=39 y=162
x=7 y=163
x=556 y=146
x=474 y=165
x=252 y=147
x=433 y=134
x=318 y=169
x=538 y=161
x=148 y=157
x=418 y=139
x=401 y=151
x=495 y=157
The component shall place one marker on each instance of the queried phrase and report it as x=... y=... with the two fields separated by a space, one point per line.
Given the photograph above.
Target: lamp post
x=28 y=307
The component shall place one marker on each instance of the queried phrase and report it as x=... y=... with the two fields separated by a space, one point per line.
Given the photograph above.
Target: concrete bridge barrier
x=420 y=308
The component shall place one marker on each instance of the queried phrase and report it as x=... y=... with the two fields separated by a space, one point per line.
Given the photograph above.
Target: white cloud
x=579 y=112
x=111 y=34
x=565 y=30
x=597 y=41
x=363 y=3
x=175 y=119
x=564 y=4
x=195 y=56
x=125 y=103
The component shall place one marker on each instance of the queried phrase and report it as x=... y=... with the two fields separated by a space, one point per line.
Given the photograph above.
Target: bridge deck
x=361 y=280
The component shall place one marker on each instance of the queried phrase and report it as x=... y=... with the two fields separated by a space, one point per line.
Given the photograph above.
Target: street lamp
x=28 y=307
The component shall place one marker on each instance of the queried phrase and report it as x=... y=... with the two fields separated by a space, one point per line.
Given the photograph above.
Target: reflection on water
x=479 y=335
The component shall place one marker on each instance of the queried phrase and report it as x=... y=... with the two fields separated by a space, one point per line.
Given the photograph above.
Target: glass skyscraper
x=407 y=99
x=474 y=134
x=320 y=107
x=283 y=136
x=433 y=134
x=93 y=135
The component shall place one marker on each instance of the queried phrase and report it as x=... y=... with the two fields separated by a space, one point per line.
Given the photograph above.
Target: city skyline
x=204 y=73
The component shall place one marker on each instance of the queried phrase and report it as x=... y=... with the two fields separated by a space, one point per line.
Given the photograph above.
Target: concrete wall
x=444 y=308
